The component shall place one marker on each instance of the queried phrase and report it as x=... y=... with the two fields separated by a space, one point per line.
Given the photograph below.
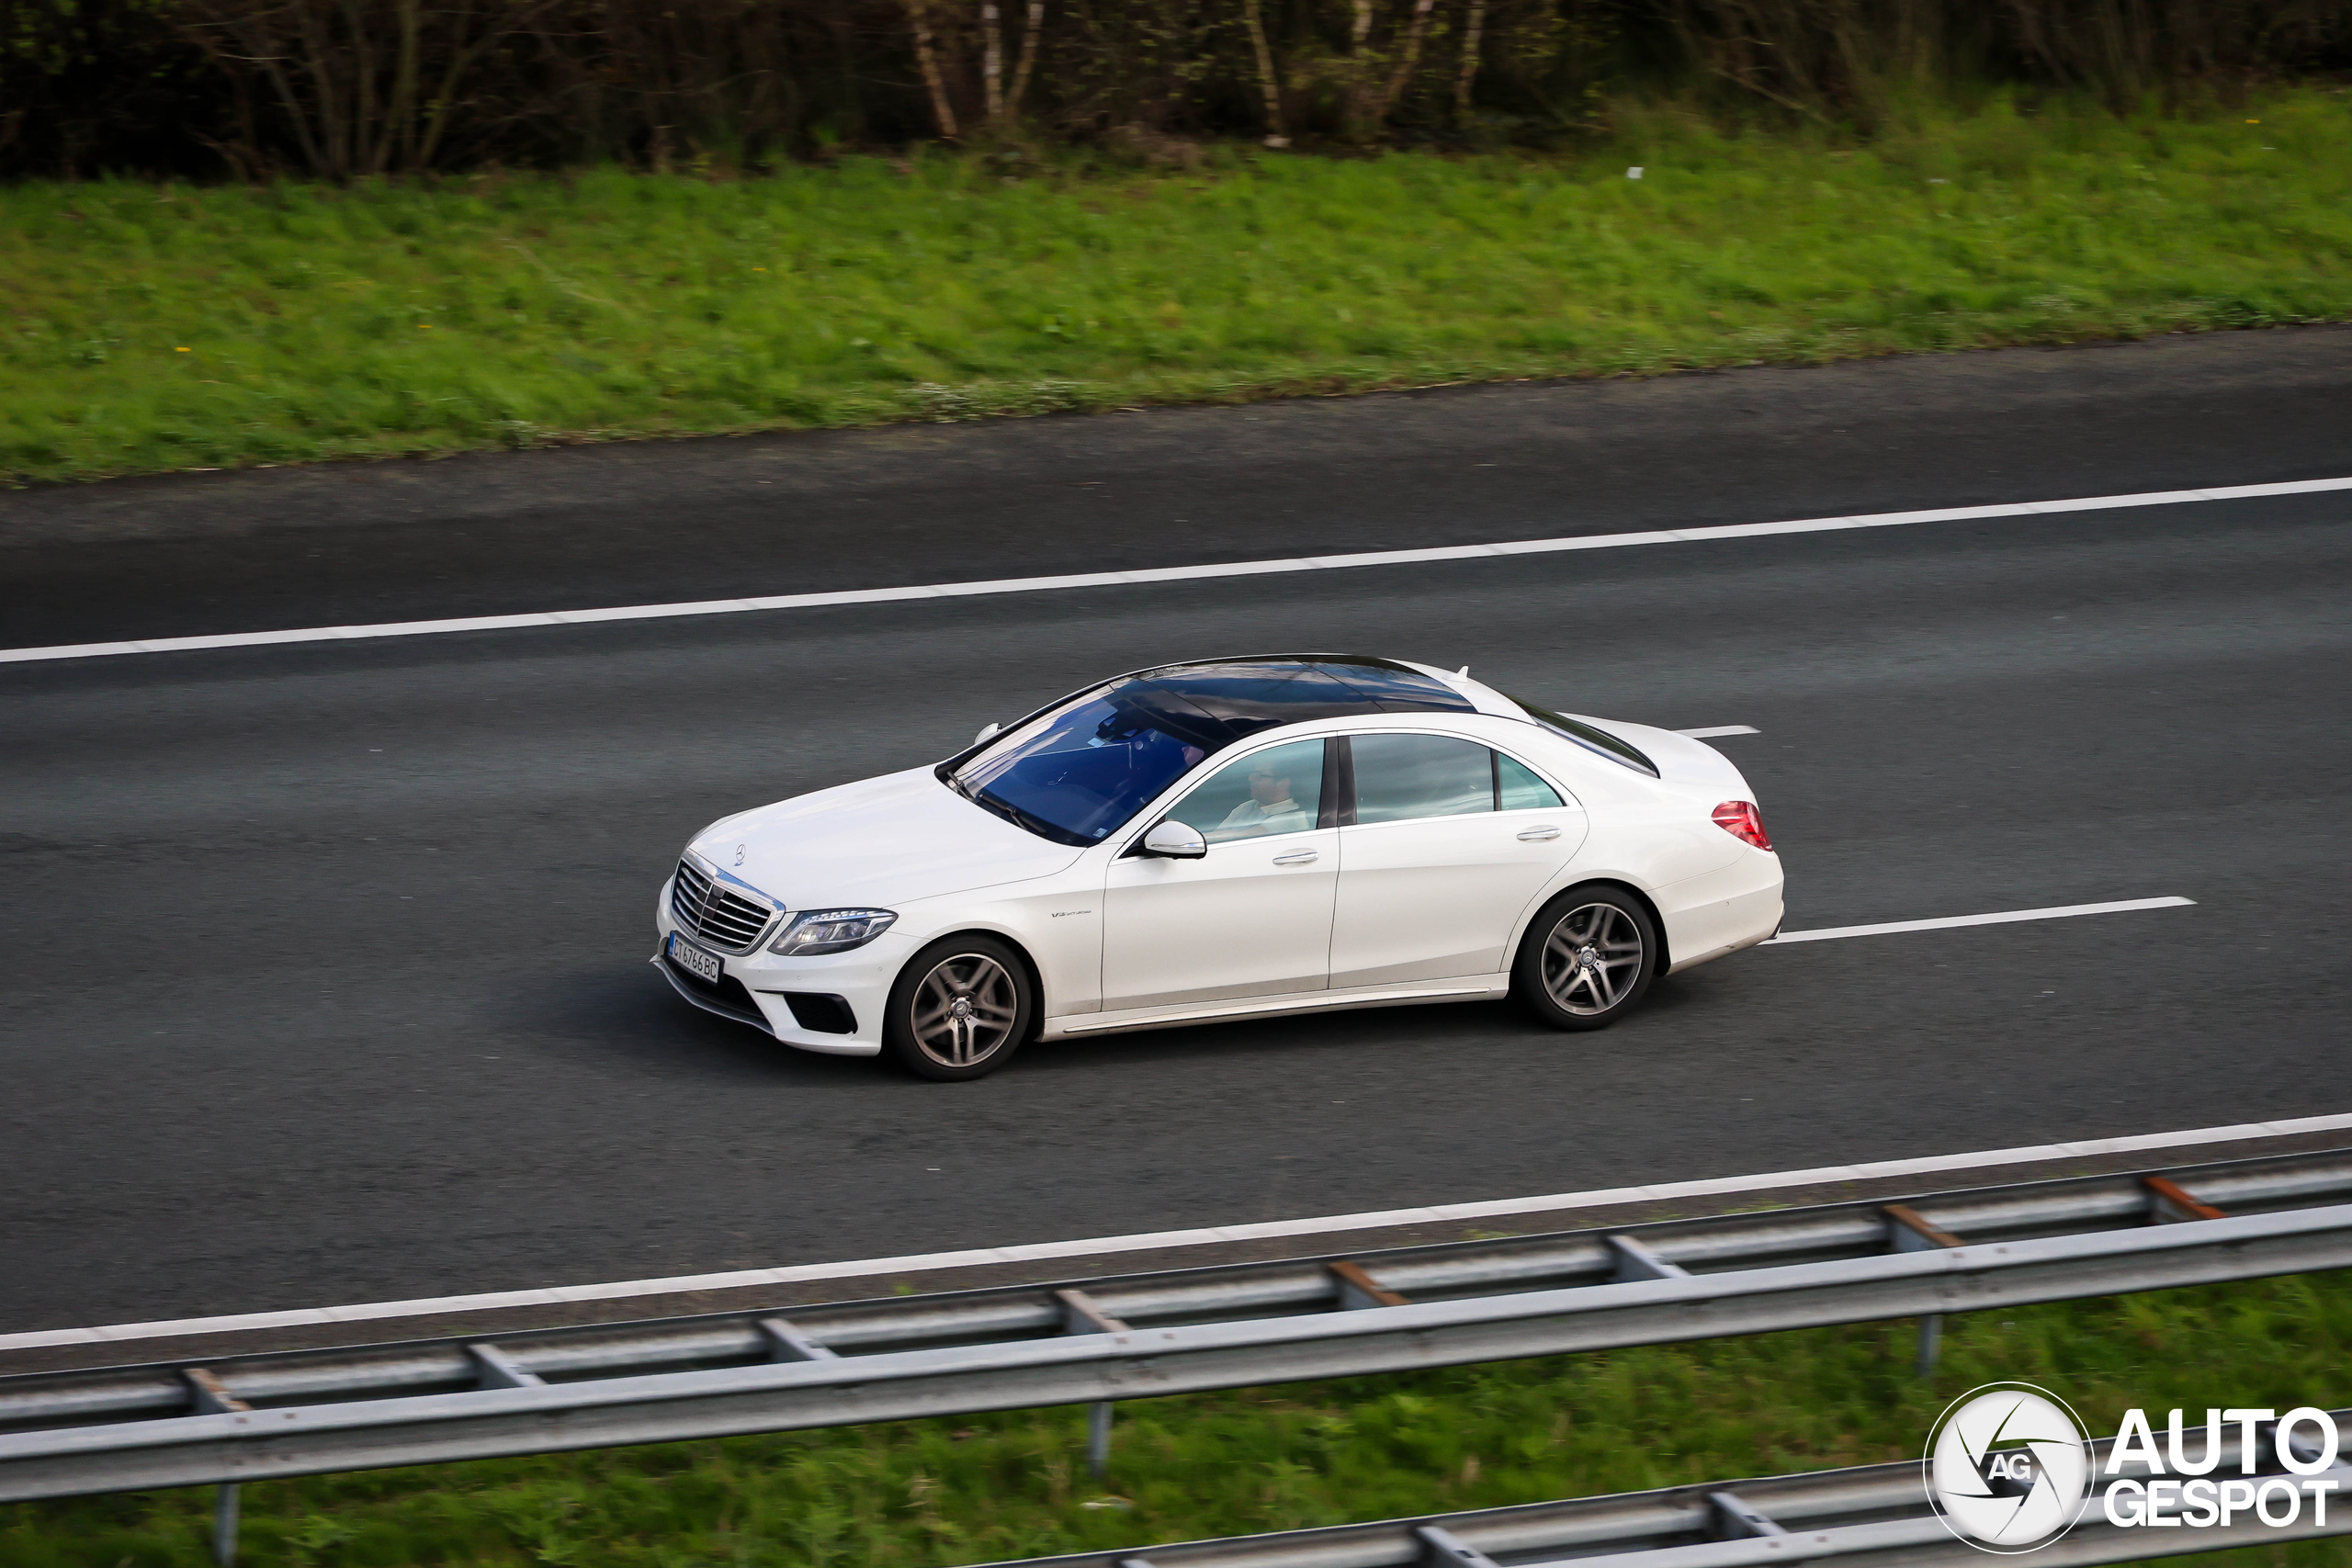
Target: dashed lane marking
x=1999 y=917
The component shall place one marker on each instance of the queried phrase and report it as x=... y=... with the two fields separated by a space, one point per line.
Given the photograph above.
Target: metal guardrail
x=254 y=1417
x=1877 y=1515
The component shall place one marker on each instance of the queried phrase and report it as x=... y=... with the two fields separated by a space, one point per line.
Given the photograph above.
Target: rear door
x=1450 y=840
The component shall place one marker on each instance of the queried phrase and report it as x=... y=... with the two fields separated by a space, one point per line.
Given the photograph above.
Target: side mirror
x=1175 y=841
x=986 y=731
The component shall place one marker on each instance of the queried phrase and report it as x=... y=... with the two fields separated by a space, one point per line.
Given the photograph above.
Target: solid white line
x=1160 y=574
x=1999 y=918
x=1709 y=734
x=1443 y=1214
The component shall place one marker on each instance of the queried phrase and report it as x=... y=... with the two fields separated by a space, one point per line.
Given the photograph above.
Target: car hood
x=882 y=842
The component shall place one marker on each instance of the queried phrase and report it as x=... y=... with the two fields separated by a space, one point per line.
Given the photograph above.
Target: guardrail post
x=1358 y=1289
x=1637 y=1260
x=2169 y=1203
x=1732 y=1517
x=209 y=1396
x=1098 y=1437
x=1910 y=1232
x=786 y=1343
x=1440 y=1548
x=494 y=1367
x=1081 y=1313
x=225 y=1505
x=1931 y=1345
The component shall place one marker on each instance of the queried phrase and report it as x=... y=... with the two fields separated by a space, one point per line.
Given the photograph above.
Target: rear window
x=1518 y=789
x=1621 y=752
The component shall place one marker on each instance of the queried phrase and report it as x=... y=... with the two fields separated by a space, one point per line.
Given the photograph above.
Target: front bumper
x=761 y=989
x=733 y=1001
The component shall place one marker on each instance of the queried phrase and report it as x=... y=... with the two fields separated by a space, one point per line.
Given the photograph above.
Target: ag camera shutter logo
x=2005 y=1468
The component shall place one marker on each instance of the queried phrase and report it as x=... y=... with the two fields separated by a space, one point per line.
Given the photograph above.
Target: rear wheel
x=959 y=1008
x=1587 y=958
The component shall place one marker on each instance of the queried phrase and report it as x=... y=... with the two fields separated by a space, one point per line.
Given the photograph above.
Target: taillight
x=1738 y=818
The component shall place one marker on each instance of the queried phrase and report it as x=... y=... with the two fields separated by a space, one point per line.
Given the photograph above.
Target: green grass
x=146 y=329
x=985 y=1487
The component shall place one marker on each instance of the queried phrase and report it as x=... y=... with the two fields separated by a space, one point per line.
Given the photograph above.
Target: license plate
x=693 y=960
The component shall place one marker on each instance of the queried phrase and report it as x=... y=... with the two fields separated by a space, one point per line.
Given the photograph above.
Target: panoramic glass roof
x=1237 y=697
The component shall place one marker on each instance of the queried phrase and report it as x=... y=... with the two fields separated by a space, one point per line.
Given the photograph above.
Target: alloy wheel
x=1591 y=959
x=964 y=1011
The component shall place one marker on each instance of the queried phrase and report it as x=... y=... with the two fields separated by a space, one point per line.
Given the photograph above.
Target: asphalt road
x=327 y=975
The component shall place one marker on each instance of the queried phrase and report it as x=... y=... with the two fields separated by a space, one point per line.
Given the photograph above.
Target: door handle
x=1537 y=835
x=1296 y=857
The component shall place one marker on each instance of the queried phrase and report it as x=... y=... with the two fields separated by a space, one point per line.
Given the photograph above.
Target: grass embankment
x=144 y=329
x=947 y=1491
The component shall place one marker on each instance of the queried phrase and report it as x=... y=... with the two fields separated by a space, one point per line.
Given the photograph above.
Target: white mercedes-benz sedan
x=1237 y=838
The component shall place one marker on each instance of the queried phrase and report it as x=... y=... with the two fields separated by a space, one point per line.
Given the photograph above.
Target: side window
x=1518 y=789
x=1400 y=777
x=1279 y=790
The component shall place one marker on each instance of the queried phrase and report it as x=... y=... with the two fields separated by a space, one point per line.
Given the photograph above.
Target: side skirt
x=1466 y=988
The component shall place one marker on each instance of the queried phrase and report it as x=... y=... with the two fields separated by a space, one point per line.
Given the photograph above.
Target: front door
x=1252 y=918
x=1449 y=842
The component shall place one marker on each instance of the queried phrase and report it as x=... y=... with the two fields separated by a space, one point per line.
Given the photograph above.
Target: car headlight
x=830 y=931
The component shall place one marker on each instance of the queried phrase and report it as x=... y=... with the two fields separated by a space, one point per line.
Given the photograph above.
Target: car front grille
x=719 y=915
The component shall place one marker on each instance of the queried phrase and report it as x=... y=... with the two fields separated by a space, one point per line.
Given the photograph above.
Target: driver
x=1269 y=809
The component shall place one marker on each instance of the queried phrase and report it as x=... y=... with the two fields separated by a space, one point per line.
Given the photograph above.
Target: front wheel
x=1588 y=958
x=959 y=1008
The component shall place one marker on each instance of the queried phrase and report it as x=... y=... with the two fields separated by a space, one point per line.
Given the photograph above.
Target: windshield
x=1079 y=772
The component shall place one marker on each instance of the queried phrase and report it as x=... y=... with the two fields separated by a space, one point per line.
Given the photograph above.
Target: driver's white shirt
x=1284 y=816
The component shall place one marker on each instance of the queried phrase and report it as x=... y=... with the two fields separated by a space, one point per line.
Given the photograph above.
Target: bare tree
x=1358 y=72
x=1408 y=56
x=1472 y=36
x=992 y=60
x=1003 y=103
x=942 y=112
x=325 y=62
x=1267 y=84
x=1030 y=36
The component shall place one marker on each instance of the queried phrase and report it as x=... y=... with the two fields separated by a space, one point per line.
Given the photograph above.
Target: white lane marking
x=1999 y=917
x=1444 y=1213
x=1709 y=733
x=1158 y=574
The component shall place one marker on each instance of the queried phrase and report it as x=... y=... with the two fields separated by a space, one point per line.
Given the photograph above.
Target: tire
x=959 y=1008
x=1572 y=970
